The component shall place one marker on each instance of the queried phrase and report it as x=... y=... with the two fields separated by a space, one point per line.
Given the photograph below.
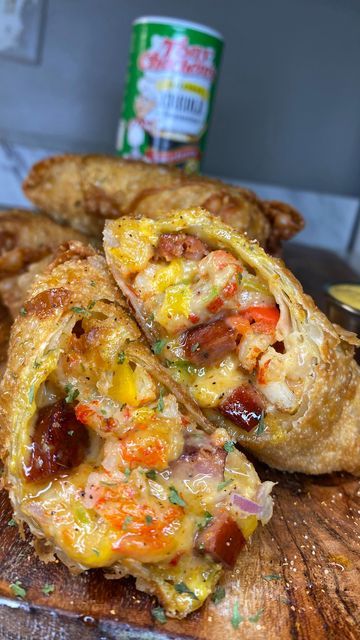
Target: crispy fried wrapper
x=27 y=242
x=85 y=190
x=310 y=391
x=98 y=441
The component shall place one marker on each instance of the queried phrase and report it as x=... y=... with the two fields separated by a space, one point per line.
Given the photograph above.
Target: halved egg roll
x=234 y=326
x=105 y=463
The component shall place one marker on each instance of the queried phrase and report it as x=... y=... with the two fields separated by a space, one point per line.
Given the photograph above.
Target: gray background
x=288 y=104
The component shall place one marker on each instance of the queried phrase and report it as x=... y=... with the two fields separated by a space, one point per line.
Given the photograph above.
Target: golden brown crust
x=27 y=237
x=13 y=290
x=85 y=190
x=5 y=326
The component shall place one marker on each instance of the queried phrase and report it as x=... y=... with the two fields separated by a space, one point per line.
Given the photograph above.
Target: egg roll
x=234 y=326
x=107 y=461
x=27 y=237
x=85 y=190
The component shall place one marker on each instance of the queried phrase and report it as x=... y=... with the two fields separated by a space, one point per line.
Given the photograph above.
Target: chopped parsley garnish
x=151 y=474
x=96 y=551
x=229 y=446
x=208 y=517
x=121 y=357
x=218 y=595
x=181 y=587
x=12 y=523
x=236 y=617
x=256 y=617
x=23 y=311
x=71 y=432
x=93 y=283
x=224 y=484
x=160 y=404
x=72 y=393
x=79 y=310
x=214 y=292
x=126 y=522
x=194 y=347
x=48 y=588
x=127 y=472
x=31 y=394
x=174 y=497
x=158 y=346
x=158 y=613
x=261 y=426
x=148 y=519
x=272 y=576
x=36 y=364
x=82 y=311
x=17 y=589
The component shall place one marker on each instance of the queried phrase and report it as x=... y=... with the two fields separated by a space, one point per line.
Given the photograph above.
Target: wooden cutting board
x=298 y=579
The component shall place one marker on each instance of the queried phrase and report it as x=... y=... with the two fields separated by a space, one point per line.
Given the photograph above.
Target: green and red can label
x=169 y=92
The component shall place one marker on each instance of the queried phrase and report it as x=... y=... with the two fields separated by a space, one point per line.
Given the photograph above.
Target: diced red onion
x=262 y=508
x=246 y=505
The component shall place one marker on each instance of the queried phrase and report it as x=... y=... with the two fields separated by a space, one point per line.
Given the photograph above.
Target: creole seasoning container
x=170 y=88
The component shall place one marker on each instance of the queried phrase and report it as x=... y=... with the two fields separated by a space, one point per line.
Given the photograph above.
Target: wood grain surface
x=299 y=578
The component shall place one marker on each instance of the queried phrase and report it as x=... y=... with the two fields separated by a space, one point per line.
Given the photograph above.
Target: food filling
x=214 y=321
x=116 y=473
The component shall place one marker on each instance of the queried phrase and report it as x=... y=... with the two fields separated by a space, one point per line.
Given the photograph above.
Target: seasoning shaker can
x=169 y=92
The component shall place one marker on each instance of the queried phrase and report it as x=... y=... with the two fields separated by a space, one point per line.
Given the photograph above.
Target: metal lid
x=176 y=22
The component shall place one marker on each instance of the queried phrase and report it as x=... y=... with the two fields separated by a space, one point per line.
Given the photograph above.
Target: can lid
x=176 y=22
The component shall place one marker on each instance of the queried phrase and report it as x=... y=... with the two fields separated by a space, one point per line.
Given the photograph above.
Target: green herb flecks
x=151 y=474
x=194 y=347
x=236 y=617
x=218 y=595
x=208 y=517
x=229 y=446
x=272 y=576
x=17 y=589
x=121 y=357
x=48 y=588
x=127 y=473
x=31 y=394
x=181 y=587
x=82 y=311
x=11 y=523
x=261 y=426
x=23 y=311
x=148 y=519
x=127 y=521
x=158 y=346
x=239 y=277
x=71 y=432
x=174 y=497
x=224 y=484
x=256 y=617
x=71 y=393
x=158 y=613
x=160 y=403
x=96 y=551
x=213 y=293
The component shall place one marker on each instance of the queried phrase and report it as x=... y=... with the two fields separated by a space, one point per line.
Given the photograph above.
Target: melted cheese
x=211 y=383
